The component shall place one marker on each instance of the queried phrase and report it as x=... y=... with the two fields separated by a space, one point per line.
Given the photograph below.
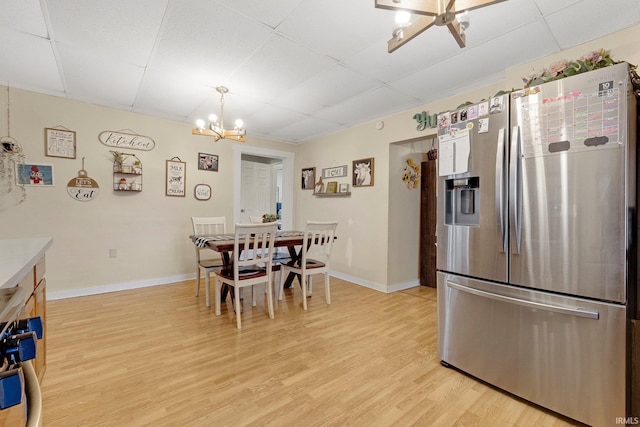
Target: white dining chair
x=315 y=257
x=255 y=219
x=207 y=226
x=251 y=266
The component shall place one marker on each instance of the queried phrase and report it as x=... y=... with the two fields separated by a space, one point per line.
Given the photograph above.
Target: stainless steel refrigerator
x=536 y=242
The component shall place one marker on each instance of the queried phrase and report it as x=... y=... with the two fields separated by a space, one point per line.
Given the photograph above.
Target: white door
x=256 y=190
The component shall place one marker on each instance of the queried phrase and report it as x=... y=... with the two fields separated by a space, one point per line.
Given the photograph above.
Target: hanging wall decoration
x=202 y=192
x=82 y=188
x=60 y=142
x=176 y=177
x=11 y=154
x=126 y=140
x=411 y=174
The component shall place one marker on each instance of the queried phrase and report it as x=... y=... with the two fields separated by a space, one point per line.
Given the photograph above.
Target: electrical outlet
x=113 y=253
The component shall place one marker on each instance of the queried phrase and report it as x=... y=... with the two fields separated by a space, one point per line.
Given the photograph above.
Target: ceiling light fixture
x=216 y=128
x=432 y=12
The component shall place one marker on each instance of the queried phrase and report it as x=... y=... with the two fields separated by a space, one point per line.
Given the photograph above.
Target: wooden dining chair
x=207 y=226
x=315 y=257
x=252 y=264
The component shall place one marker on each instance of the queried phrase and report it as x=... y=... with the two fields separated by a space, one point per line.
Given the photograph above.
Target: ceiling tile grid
x=296 y=69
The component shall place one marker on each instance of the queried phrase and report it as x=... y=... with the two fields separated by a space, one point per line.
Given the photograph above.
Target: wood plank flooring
x=158 y=357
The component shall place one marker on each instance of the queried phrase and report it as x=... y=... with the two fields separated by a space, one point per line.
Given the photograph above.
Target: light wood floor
x=158 y=357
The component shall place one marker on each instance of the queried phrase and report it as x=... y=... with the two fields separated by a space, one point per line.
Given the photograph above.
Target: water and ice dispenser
x=462 y=201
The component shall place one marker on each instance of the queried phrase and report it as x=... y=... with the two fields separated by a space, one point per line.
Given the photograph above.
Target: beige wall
x=149 y=230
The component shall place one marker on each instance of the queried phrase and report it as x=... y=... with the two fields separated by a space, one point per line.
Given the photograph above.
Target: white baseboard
x=167 y=280
x=117 y=287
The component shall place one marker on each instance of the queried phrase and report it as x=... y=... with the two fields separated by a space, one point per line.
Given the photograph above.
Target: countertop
x=17 y=256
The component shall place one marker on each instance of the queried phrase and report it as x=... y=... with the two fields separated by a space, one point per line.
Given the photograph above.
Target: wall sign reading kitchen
x=130 y=140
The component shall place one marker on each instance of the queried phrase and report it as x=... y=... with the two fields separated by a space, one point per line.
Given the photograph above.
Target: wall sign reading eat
x=132 y=141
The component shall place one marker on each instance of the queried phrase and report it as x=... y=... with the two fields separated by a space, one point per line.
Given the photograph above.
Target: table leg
x=295 y=256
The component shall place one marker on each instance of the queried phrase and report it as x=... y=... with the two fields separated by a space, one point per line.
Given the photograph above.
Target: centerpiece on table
x=269 y=218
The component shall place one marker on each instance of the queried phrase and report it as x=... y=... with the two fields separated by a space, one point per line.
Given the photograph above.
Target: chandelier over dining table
x=216 y=128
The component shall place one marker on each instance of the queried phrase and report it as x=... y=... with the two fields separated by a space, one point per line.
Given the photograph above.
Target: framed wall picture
x=208 y=162
x=308 y=178
x=60 y=143
x=176 y=178
x=343 y=188
x=363 y=172
x=334 y=172
x=202 y=192
x=332 y=187
x=35 y=175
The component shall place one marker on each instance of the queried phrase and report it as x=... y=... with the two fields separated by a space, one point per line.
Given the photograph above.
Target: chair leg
x=198 y=282
x=327 y=291
x=217 y=284
x=253 y=296
x=268 y=286
x=281 y=284
x=304 y=279
x=309 y=285
x=207 y=289
x=238 y=321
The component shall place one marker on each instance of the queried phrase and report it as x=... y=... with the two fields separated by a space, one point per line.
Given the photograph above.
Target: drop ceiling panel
x=271 y=13
x=591 y=19
x=162 y=94
x=548 y=7
x=24 y=16
x=278 y=66
x=325 y=89
x=437 y=81
x=270 y=119
x=100 y=80
x=36 y=70
x=120 y=29
x=302 y=130
x=352 y=26
x=206 y=41
x=368 y=106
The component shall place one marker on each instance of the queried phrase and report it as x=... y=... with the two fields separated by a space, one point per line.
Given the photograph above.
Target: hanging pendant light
x=216 y=128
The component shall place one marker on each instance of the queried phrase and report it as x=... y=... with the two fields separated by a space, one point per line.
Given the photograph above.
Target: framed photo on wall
x=363 y=172
x=35 y=175
x=308 y=178
x=60 y=143
x=208 y=162
x=176 y=178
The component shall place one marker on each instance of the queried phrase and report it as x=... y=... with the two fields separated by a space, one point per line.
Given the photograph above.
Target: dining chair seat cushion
x=244 y=273
x=311 y=263
x=210 y=263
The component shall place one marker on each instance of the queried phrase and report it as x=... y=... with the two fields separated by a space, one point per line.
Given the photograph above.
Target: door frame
x=287 y=159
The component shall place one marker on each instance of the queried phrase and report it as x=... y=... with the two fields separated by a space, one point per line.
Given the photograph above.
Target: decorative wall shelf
x=127 y=176
x=348 y=193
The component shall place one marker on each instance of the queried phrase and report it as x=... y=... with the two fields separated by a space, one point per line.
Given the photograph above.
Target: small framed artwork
x=35 y=175
x=176 y=178
x=208 y=162
x=202 y=192
x=332 y=187
x=334 y=172
x=363 y=172
x=343 y=188
x=308 y=178
x=60 y=143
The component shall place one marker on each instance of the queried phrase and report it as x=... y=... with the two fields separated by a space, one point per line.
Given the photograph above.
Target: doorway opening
x=278 y=165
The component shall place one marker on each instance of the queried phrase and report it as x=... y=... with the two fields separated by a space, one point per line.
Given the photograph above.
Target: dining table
x=224 y=244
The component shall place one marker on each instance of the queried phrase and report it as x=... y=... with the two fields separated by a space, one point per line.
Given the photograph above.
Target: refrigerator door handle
x=500 y=191
x=515 y=188
x=579 y=312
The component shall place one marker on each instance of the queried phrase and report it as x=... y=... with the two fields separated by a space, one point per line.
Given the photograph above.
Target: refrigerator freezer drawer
x=566 y=354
